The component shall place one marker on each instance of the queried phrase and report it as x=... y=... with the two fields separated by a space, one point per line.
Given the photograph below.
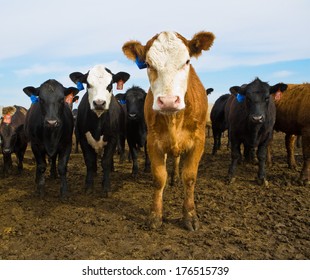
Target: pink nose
x=168 y=102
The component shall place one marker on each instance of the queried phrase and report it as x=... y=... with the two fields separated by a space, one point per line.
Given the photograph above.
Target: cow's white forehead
x=167 y=50
x=98 y=75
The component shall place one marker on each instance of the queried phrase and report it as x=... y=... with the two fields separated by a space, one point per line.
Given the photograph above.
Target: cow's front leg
x=235 y=157
x=107 y=165
x=189 y=175
x=261 y=155
x=159 y=172
x=62 y=171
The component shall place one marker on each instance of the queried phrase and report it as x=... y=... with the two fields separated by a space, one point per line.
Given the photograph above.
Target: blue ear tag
x=79 y=86
x=34 y=99
x=122 y=101
x=141 y=64
x=240 y=98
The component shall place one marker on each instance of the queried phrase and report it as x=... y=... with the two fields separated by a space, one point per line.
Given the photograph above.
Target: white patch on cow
x=96 y=145
x=168 y=56
x=99 y=79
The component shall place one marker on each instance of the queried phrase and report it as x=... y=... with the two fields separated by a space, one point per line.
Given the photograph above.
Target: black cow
x=49 y=127
x=100 y=122
x=12 y=136
x=219 y=124
x=134 y=99
x=251 y=119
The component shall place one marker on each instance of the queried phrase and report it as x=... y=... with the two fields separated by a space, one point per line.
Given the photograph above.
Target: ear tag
x=7 y=118
x=34 y=99
x=278 y=95
x=120 y=85
x=240 y=98
x=141 y=64
x=79 y=86
x=69 y=98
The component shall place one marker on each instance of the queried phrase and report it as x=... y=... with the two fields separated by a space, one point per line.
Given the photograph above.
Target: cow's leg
x=106 y=164
x=159 y=172
x=147 y=163
x=175 y=176
x=305 y=172
x=134 y=156
x=235 y=157
x=7 y=163
x=217 y=141
x=62 y=170
x=261 y=155
x=39 y=155
x=20 y=153
x=52 y=162
x=290 y=147
x=189 y=175
x=90 y=158
x=121 y=147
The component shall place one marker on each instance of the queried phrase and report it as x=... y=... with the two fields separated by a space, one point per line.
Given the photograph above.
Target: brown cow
x=293 y=118
x=175 y=111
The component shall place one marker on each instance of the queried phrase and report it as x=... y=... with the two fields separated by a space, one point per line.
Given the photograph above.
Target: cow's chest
x=174 y=137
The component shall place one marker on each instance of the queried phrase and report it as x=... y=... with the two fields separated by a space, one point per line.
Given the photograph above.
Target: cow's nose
x=168 y=102
x=7 y=151
x=52 y=123
x=132 y=115
x=99 y=103
x=257 y=118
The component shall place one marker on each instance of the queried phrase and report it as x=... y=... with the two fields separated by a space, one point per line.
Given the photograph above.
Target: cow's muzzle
x=99 y=104
x=168 y=103
x=257 y=118
x=51 y=123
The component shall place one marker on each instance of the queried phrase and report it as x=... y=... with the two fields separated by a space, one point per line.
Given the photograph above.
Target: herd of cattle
x=169 y=120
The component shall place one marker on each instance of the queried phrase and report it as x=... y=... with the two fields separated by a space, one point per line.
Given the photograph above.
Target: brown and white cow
x=293 y=118
x=175 y=112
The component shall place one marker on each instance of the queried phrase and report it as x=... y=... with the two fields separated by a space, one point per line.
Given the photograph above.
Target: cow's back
x=293 y=109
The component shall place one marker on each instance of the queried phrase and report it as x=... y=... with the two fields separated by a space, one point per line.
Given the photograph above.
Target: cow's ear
x=71 y=90
x=78 y=77
x=120 y=76
x=234 y=90
x=278 y=87
x=209 y=90
x=200 y=41
x=134 y=50
x=31 y=91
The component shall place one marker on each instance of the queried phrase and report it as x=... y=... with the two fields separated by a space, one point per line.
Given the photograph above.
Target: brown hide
x=176 y=134
x=293 y=117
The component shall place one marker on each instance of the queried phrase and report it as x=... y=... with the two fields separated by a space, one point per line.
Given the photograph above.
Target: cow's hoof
x=230 y=180
x=105 y=194
x=191 y=223
x=263 y=182
x=154 y=221
x=88 y=190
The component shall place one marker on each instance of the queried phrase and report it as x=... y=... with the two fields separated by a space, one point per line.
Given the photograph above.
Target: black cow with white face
x=251 y=119
x=134 y=99
x=49 y=127
x=100 y=122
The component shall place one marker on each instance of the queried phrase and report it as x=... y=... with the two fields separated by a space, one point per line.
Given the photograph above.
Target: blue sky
x=50 y=39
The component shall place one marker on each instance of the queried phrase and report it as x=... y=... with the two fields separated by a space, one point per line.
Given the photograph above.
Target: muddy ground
x=238 y=221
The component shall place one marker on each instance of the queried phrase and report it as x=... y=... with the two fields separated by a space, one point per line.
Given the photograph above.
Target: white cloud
x=282 y=74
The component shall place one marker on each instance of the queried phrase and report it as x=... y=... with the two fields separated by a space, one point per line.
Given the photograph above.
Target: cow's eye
x=187 y=62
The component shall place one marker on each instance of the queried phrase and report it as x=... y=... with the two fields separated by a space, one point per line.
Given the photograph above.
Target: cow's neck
x=51 y=138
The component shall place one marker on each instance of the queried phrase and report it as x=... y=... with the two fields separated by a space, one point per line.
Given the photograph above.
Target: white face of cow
x=99 y=89
x=168 y=69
